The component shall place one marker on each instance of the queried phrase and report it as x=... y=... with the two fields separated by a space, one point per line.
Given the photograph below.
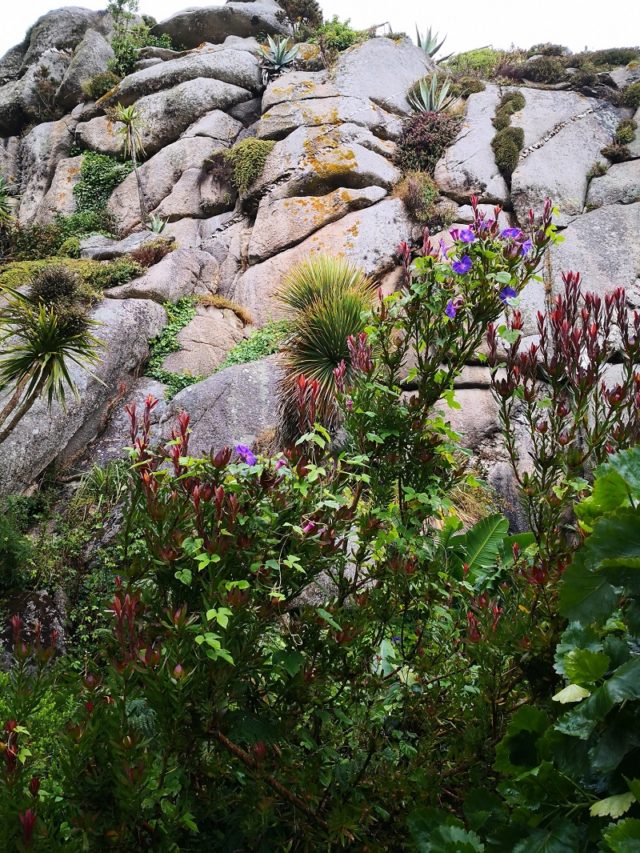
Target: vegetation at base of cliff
x=247 y=160
x=32 y=241
x=99 y=176
x=179 y=315
x=261 y=343
x=425 y=137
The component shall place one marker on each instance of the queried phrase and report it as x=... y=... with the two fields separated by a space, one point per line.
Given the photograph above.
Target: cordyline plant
x=577 y=389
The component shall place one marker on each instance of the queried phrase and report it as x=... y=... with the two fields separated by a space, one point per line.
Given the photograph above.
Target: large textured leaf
x=583 y=666
x=614 y=806
x=563 y=837
x=624 y=837
x=434 y=832
x=481 y=544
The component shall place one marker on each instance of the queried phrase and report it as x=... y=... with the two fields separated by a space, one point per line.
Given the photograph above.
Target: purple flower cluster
x=246 y=455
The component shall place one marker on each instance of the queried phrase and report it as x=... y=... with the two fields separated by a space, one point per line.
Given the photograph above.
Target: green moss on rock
x=507 y=144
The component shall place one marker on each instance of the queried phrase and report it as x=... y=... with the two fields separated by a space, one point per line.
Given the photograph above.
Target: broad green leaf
x=614 y=806
x=585 y=596
x=561 y=837
x=572 y=693
x=609 y=492
x=624 y=837
x=481 y=544
x=583 y=666
x=291 y=660
x=634 y=786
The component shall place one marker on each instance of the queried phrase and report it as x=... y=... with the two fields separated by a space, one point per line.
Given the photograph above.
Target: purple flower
x=507 y=293
x=462 y=266
x=450 y=310
x=309 y=527
x=511 y=233
x=246 y=455
x=467 y=236
x=395 y=639
x=526 y=247
x=281 y=463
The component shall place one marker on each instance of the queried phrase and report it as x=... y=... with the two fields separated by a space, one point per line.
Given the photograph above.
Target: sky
x=579 y=24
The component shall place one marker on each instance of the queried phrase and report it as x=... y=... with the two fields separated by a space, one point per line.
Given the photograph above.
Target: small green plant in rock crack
x=178 y=316
x=99 y=176
x=263 y=342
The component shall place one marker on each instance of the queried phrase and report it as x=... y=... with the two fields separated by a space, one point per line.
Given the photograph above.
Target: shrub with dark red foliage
x=424 y=139
x=151 y=253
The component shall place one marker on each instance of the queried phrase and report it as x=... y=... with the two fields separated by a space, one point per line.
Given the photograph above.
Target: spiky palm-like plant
x=277 y=54
x=38 y=344
x=428 y=96
x=132 y=146
x=328 y=297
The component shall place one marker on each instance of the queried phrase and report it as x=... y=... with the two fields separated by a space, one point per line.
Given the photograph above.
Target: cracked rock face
x=328 y=186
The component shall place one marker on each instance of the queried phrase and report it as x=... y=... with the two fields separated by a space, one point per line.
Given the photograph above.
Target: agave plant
x=278 y=55
x=38 y=343
x=157 y=224
x=429 y=42
x=427 y=96
x=328 y=297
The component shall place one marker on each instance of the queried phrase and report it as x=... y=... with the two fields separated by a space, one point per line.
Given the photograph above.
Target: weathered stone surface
x=63 y=29
x=60 y=198
x=465 y=214
x=283 y=118
x=558 y=168
x=634 y=147
x=215 y=23
x=42 y=149
x=468 y=167
x=31 y=97
x=236 y=67
x=383 y=70
x=184 y=272
x=369 y=238
x=100 y=248
x=232 y=407
x=544 y=111
x=44 y=436
x=205 y=341
x=196 y=194
x=91 y=57
x=298 y=86
x=164 y=116
x=10 y=161
x=282 y=223
x=314 y=160
x=158 y=175
x=247 y=112
x=216 y=125
x=603 y=246
x=11 y=63
x=621 y=185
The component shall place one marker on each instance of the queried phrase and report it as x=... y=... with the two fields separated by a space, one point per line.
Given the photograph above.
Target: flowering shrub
x=424 y=139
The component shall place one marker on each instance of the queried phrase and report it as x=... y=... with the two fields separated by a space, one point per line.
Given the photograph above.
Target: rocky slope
x=327 y=186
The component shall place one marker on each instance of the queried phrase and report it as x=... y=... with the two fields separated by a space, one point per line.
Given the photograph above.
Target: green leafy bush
x=33 y=241
x=247 y=160
x=481 y=62
x=95 y=276
x=548 y=49
x=615 y=56
x=337 y=35
x=98 y=85
x=424 y=139
x=626 y=132
x=15 y=552
x=419 y=192
x=546 y=69
x=631 y=96
x=70 y=248
x=303 y=15
x=99 y=176
x=506 y=145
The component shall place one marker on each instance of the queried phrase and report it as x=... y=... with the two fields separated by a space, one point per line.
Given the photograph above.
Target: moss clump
x=546 y=69
x=507 y=144
x=465 y=86
x=419 y=192
x=482 y=62
x=626 y=132
x=247 y=160
x=98 y=85
x=616 y=153
x=511 y=102
x=631 y=96
x=99 y=176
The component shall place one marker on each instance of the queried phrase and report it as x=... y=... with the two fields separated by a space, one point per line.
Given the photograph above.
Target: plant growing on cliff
x=132 y=146
x=178 y=316
x=129 y=35
x=5 y=207
x=506 y=145
x=425 y=137
x=99 y=84
x=39 y=341
x=247 y=160
x=303 y=15
x=429 y=42
x=430 y=96
x=278 y=55
x=99 y=176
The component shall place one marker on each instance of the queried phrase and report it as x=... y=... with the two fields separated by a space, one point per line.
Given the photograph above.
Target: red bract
x=28 y=821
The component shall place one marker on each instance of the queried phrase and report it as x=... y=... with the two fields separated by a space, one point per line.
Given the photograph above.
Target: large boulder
x=283 y=118
x=215 y=125
x=235 y=67
x=620 y=185
x=282 y=223
x=546 y=111
x=382 y=70
x=100 y=248
x=468 y=167
x=158 y=176
x=205 y=341
x=59 y=199
x=58 y=435
x=311 y=161
x=298 y=86
x=214 y=23
x=369 y=238
x=234 y=406
x=91 y=57
x=164 y=116
x=558 y=167
x=32 y=97
x=63 y=29
x=42 y=149
x=184 y=272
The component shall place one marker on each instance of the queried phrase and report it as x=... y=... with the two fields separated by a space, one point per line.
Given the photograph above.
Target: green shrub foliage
x=506 y=145
x=99 y=176
x=247 y=160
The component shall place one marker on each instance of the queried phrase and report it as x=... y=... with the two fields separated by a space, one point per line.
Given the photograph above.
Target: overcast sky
x=468 y=23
